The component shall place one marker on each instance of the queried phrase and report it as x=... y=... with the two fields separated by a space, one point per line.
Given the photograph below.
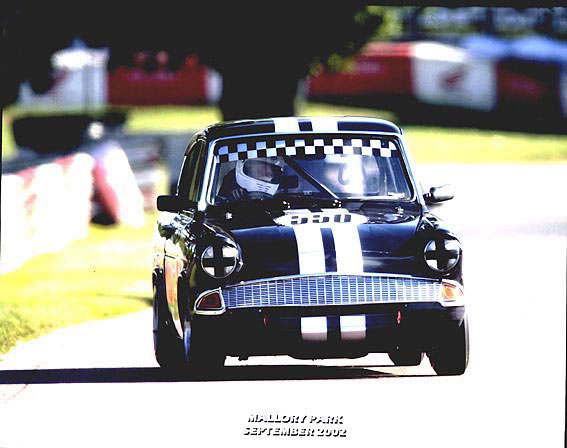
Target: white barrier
x=446 y=75
x=116 y=185
x=12 y=230
x=78 y=210
x=81 y=79
x=44 y=208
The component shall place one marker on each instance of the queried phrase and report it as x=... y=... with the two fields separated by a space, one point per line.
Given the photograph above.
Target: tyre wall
x=44 y=208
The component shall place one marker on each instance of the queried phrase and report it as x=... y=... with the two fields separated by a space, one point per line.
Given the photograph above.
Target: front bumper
x=341 y=332
x=329 y=315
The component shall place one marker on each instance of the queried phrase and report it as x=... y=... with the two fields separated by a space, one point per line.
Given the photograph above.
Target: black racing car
x=307 y=237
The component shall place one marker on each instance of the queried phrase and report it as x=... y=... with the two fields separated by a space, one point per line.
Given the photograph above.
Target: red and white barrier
x=47 y=206
x=449 y=76
x=382 y=68
x=116 y=185
x=44 y=208
x=480 y=77
x=445 y=75
x=193 y=83
x=13 y=232
x=80 y=212
x=135 y=86
x=430 y=72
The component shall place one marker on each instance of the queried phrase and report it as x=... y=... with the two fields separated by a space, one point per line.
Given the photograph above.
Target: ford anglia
x=307 y=237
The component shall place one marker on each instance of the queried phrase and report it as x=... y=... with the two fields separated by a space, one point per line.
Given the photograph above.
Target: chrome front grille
x=321 y=290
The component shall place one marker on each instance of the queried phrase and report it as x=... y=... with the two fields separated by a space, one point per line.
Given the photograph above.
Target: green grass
x=182 y=118
x=103 y=275
x=442 y=145
x=171 y=118
x=8 y=145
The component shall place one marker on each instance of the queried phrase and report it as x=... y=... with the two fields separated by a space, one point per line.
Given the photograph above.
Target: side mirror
x=439 y=194
x=171 y=203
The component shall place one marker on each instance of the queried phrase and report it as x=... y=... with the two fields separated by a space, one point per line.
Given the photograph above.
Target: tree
x=262 y=50
x=28 y=39
x=263 y=54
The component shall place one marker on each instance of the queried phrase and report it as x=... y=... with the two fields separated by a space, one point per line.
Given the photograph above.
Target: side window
x=190 y=180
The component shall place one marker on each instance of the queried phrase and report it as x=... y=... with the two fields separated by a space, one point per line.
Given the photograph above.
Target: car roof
x=300 y=124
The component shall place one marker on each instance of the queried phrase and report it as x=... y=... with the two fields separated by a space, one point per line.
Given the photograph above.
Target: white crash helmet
x=247 y=179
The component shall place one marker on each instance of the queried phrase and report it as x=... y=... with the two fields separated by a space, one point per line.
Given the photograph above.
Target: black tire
x=450 y=353
x=203 y=355
x=168 y=346
x=406 y=357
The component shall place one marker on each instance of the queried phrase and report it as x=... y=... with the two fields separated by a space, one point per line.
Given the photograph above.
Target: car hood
x=337 y=240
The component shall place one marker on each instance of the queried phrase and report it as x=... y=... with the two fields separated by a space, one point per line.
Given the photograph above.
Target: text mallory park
x=294 y=419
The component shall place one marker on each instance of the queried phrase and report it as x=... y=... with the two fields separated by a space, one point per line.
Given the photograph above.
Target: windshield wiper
x=299 y=170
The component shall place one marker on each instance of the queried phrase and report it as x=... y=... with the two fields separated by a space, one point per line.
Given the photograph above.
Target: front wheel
x=168 y=346
x=450 y=353
x=203 y=355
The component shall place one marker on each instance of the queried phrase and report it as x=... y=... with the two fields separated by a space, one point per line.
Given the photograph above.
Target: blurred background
x=98 y=105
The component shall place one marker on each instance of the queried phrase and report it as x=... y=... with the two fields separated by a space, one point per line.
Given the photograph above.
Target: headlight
x=221 y=259
x=442 y=254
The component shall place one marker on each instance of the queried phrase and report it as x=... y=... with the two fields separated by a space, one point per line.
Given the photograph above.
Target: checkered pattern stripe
x=301 y=146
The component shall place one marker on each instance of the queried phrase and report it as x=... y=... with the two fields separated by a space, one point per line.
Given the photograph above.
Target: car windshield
x=332 y=167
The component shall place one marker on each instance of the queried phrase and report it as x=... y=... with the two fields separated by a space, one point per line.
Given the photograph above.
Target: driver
x=252 y=179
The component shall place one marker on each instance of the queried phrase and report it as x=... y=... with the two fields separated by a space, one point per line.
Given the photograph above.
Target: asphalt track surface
x=97 y=384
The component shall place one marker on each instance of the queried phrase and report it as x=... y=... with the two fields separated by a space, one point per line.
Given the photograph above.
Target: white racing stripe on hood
x=347 y=248
x=286 y=124
x=310 y=249
x=324 y=124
